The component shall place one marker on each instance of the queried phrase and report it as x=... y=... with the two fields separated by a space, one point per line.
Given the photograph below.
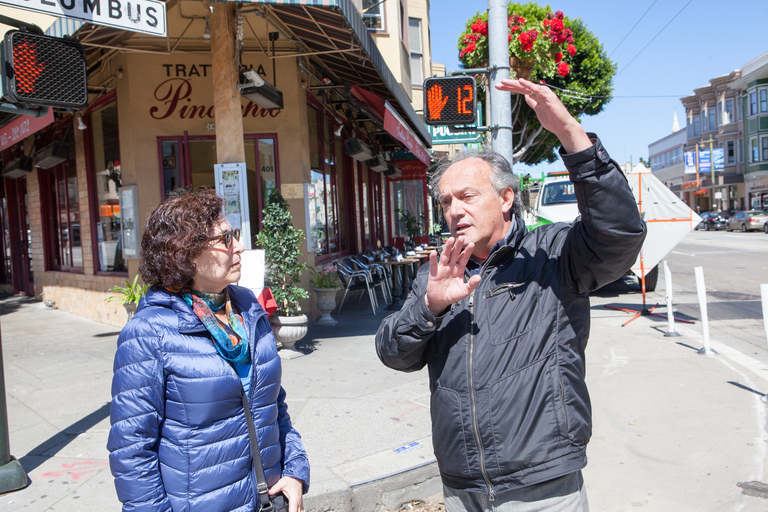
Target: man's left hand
x=551 y=112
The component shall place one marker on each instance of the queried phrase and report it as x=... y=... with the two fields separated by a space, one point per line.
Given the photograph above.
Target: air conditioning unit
x=52 y=155
x=357 y=149
x=17 y=168
x=393 y=171
x=377 y=164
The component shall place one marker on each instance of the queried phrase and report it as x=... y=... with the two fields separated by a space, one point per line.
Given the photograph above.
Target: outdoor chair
x=355 y=280
x=377 y=275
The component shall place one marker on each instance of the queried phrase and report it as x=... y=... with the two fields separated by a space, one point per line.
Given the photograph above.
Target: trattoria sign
x=145 y=16
x=173 y=100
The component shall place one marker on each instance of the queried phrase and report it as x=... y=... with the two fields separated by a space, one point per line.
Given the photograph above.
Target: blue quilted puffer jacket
x=179 y=439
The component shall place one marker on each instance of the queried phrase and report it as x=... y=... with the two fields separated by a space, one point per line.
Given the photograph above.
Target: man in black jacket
x=501 y=319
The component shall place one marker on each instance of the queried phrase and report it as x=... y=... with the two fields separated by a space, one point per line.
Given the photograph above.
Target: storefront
x=150 y=127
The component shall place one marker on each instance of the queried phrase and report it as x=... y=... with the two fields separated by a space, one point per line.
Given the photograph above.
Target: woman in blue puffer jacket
x=179 y=438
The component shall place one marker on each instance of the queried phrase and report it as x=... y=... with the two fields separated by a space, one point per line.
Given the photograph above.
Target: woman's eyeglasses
x=227 y=237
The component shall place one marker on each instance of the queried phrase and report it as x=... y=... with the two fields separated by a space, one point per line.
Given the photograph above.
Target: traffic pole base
x=12 y=476
x=672 y=334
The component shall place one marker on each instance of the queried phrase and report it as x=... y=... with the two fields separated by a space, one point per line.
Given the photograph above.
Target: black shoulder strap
x=262 y=488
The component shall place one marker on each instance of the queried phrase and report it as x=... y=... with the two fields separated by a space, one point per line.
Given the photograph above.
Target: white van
x=556 y=201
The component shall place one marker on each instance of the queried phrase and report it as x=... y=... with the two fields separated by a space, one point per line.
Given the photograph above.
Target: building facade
x=714 y=115
x=752 y=86
x=346 y=147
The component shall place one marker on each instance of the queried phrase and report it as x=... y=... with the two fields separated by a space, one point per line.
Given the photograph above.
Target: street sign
x=145 y=16
x=444 y=135
x=450 y=100
x=41 y=70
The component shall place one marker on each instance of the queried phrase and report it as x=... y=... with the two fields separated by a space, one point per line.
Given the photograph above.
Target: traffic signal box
x=39 y=70
x=450 y=100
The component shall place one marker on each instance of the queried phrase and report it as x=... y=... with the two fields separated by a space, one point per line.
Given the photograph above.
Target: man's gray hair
x=501 y=175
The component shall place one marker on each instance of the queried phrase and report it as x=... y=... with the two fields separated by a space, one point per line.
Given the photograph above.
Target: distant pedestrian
x=179 y=438
x=501 y=319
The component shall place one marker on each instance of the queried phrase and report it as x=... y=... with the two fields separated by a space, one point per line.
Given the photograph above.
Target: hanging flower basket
x=520 y=68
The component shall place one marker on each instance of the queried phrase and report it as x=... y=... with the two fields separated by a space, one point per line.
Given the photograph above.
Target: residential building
x=752 y=86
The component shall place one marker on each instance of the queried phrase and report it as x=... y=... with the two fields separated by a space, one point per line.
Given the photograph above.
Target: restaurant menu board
x=232 y=185
x=129 y=222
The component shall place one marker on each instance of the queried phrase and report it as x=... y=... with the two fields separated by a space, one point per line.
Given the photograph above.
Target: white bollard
x=671 y=332
x=764 y=294
x=702 y=292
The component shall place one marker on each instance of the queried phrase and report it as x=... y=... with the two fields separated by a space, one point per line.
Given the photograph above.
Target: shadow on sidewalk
x=50 y=447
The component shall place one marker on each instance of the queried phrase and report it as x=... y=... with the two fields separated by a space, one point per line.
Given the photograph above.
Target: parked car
x=712 y=220
x=747 y=221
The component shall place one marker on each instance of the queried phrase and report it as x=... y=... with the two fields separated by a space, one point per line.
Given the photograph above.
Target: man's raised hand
x=446 y=285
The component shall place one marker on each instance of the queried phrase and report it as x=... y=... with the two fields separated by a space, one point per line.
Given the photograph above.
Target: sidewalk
x=673 y=430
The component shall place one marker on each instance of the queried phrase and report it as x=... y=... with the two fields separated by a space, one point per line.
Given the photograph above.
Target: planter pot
x=130 y=309
x=326 y=302
x=289 y=329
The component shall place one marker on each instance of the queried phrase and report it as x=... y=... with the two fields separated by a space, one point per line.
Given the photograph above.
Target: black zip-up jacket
x=510 y=406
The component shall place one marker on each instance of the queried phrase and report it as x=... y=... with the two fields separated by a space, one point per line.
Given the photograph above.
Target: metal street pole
x=12 y=475
x=498 y=62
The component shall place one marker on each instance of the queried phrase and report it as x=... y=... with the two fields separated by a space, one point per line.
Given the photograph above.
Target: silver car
x=747 y=221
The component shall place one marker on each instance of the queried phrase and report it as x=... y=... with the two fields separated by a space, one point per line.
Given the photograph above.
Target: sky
x=677 y=46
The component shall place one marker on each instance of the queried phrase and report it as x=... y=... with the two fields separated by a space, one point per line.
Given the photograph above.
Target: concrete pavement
x=673 y=430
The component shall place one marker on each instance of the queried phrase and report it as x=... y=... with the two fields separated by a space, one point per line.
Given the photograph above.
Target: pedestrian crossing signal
x=450 y=100
x=39 y=70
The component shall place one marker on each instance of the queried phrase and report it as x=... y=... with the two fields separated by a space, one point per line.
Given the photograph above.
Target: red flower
x=545 y=23
x=470 y=47
x=571 y=50
x=559 y=14
x=558 y=56
x=563 y=69
x=483 y=28
x=509 y=38
x=557 y=24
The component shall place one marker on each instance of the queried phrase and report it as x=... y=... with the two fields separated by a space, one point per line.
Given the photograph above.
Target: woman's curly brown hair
x=176 y=233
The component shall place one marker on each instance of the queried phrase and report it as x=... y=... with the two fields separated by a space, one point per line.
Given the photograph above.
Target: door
x=17 y=236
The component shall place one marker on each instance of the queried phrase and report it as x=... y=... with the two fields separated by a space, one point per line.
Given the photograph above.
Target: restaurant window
x=417 y=57
x=328 y=216
x=189 y=162
x=106 y=176
x=61 y=212
x=373 y=15
x=407 y=199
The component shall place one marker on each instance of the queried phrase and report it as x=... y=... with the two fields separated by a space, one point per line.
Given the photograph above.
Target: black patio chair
x=355 y=280
x=377 y=275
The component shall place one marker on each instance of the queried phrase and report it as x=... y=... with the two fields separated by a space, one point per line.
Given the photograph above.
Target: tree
x=563 y=54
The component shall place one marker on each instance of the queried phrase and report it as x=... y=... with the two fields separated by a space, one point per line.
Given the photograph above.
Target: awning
x=392 y=122
x=335 y=32
x=332 y=32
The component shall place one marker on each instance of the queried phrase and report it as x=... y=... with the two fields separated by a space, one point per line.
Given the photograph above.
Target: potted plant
x=128 y=295
x=281 y=242
x=325 y=283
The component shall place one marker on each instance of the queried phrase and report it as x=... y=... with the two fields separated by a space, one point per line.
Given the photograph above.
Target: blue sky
x=705 y=40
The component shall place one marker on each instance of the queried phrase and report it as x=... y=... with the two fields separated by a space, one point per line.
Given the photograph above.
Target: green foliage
x=131 y=293
x=586 y=89
x=281 y=242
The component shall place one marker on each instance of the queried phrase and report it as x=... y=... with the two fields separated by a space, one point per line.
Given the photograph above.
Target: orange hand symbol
x=436 y=101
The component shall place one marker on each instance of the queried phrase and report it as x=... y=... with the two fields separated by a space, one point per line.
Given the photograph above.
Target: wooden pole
x=226 y=97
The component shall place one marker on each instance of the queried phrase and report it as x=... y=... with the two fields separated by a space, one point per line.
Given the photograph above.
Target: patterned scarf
x=231 y=340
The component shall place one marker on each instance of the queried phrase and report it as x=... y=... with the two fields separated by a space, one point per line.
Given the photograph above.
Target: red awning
x=22 y=127
x=393 y=123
